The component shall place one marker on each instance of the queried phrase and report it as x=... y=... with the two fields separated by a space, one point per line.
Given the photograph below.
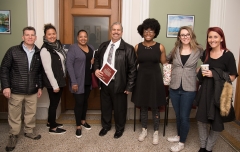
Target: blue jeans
x=182 y=104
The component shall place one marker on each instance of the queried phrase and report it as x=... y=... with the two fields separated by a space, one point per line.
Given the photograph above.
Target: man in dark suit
x=122 y=57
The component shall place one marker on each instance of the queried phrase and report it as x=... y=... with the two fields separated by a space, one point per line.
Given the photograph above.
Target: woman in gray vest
x=53 y=59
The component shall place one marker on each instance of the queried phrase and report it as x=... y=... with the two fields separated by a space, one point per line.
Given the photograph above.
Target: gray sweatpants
x=207 y=138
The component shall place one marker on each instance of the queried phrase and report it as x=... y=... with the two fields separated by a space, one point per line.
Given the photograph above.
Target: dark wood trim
x=61 y=27
x=237 y=95
x=61 y=4
x=3 y=102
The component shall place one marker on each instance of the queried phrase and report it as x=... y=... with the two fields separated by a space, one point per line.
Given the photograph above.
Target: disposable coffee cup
x=205 y=67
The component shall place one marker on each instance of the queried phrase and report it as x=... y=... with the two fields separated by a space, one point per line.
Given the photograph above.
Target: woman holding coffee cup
x=204 y=67
x=184 y=57
x=221 y=64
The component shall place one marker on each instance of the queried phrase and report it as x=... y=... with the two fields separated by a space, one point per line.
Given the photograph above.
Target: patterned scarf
x=57 y=47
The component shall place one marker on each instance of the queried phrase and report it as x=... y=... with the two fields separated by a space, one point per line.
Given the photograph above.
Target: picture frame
x=5 y=22
x=98 y=34
x=174 y=22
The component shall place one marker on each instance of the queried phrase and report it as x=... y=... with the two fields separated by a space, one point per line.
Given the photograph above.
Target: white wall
x=41 y=12
x=232 y=27
x=133 y=13
x=232 y=30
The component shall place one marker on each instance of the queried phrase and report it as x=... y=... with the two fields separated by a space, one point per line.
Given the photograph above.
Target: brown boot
x=12 y=141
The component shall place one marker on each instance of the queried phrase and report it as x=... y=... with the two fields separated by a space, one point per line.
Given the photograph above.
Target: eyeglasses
x=183 y=35
x=148 y=32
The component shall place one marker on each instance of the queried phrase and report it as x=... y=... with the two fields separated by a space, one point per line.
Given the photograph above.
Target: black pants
x=81 y=105
x=113 y=101
x=54 y=101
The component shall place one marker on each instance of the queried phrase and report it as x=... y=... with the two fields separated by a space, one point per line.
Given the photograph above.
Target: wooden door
x=237 y=95
x=72 y=11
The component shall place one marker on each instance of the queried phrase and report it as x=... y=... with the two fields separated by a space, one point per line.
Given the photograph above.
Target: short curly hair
x=151 y=23
x=49 y=26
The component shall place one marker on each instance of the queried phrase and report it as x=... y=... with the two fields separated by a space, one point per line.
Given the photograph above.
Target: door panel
x=95 y=16
x=96 y=27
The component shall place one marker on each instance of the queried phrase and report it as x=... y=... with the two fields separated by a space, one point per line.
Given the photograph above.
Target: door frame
x=237 y=95
x=98 y=10
x=86 y=14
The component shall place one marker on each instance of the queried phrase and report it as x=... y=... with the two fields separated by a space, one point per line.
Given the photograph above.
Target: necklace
x=148 y=45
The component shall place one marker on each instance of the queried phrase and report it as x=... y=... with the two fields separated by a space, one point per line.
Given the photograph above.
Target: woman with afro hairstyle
x=149 y=91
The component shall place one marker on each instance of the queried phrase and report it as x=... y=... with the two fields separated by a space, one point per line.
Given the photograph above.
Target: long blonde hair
x=193 y=42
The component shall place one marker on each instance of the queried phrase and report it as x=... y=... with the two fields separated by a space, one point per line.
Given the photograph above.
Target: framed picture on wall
x=5 y=22
x=174 y=22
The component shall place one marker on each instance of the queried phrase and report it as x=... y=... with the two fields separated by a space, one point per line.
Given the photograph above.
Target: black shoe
x=79 y=133
x=57 y=131
x=118 y=134
x=86 y=126
x=103 y=131
x=58 y=125
x=202 y=150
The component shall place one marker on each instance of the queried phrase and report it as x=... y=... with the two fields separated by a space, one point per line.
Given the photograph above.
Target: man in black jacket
x=121 y=56
x=21 y=80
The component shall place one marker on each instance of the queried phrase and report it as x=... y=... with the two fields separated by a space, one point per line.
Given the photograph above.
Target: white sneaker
x=155 y=138
x=173 y=139
x=142 y=135
x=178 y=147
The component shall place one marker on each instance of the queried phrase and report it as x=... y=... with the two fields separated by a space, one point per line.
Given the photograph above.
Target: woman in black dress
x=221 y=64
x=149 y=90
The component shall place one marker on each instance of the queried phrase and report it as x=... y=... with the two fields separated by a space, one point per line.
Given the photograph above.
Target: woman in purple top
x=79 y=61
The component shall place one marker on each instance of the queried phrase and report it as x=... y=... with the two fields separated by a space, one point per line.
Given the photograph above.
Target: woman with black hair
x=149 y=91
x=53 y=59
x=79 y=66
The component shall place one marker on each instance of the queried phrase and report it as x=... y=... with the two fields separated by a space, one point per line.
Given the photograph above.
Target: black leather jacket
x=208 y=99
x=125 y=64
x=15 y=73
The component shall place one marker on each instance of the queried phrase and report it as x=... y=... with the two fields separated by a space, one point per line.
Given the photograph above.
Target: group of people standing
x=25 y=70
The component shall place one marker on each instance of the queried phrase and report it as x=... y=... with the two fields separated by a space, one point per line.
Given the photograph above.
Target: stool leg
x=165 y=120
x=167 y=110
x=134 y=118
